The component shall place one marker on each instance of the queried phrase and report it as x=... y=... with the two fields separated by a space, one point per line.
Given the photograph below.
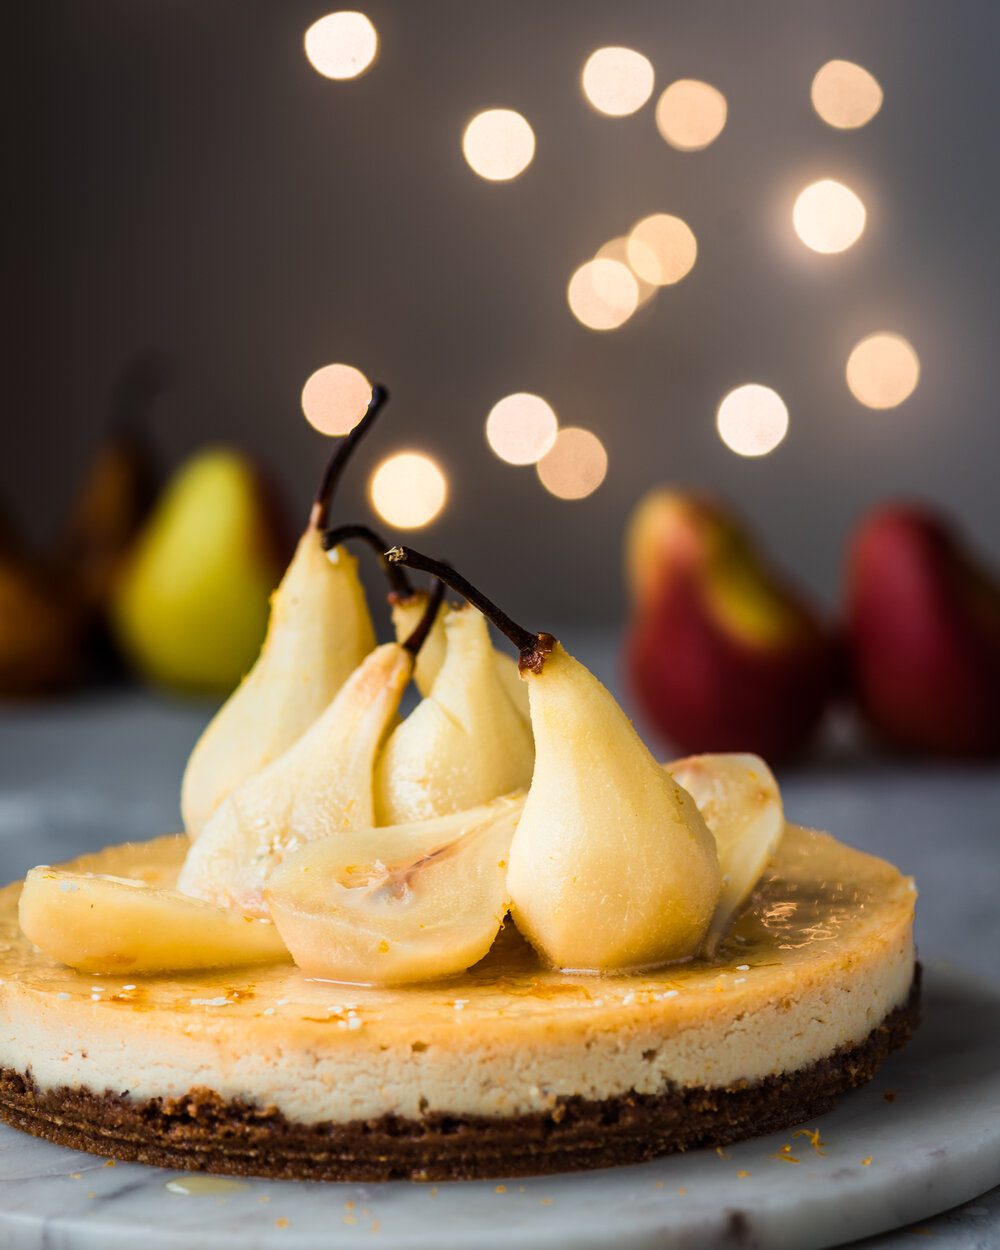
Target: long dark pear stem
x=400 y=586
x=532 y=648
x=341 y=454
x=419 y=636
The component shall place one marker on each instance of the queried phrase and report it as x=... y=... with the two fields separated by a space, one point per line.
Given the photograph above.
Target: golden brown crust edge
x=202 y=1132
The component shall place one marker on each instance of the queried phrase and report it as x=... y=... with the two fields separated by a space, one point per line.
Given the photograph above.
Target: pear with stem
x=322 y=785
x=612 y=866
x=464 y=744
x=407 y=604
x=406 y=610
x=319 y=632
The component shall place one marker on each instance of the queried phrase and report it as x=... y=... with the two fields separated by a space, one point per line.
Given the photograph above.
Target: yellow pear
x=612 y=866
x=406 y=611
x=190 y=608
x=117 y=925
x=318 y=633
x=741 y=803
x=322 y=785
x=463 y=744
x=400 y=904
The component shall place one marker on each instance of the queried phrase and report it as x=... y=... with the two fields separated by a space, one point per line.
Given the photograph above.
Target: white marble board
x=934 y=1145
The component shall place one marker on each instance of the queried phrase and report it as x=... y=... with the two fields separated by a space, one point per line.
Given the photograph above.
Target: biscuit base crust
x=202 y=1132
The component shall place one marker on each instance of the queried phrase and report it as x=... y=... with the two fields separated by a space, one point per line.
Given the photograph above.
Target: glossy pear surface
x=406 y=614
x=117 y=925
x=923 y=624
x=463 y=744
x=722 y=653
x=321 y=786
x=319 y=632
x=741 y=803
x=191 y=607
x=612 y=866
x=400 y=904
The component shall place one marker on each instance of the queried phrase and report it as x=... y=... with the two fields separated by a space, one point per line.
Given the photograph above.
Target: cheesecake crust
x=203 y=1132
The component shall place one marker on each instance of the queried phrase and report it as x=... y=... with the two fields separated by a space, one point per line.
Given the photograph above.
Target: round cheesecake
x=510 y=1069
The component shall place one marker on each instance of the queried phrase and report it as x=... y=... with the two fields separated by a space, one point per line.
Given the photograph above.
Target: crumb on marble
x=815 y=1140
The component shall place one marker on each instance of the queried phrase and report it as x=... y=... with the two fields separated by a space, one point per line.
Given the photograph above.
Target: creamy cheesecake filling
x=822 y=957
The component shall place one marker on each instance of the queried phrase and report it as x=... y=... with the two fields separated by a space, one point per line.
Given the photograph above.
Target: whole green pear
x=191 y=606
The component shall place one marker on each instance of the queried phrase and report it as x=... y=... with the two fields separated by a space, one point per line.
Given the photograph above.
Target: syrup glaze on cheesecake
x=508 y=1069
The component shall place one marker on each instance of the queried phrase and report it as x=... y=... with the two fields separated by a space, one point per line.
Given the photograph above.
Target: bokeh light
x=603 y=294
x=845 y=95
x=691 y=114
x=576 y=465
x=752 y=420
x=341 y=45
x=617 y=81
x=617 y=249
x=828 y=217
x=883 y=370
x=661 y=249
x=335 y=398
x=499 y=144
x=521 y=428
x=408 y=490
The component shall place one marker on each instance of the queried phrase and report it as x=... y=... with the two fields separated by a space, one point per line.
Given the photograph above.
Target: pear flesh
x=117 y=925
x=464 y=744
x=321 y=786
x=406 y=614
x=396 y=905
x=612 y=867
x=741 y=803
x=319 y=632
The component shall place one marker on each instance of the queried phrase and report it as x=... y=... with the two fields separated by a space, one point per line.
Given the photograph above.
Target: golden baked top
x=821 y=909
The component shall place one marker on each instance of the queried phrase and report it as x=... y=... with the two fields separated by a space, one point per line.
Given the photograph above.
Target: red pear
x=722 y=654
x=923 y=622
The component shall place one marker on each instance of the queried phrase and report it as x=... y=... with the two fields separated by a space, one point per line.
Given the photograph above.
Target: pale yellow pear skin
x=612 y=867
x=464 y=744
x=321 y=786
x=741 y=803
x=395 y=905
x=319 y=632
x=190 y=609
x=406 y=614
x=116 y=925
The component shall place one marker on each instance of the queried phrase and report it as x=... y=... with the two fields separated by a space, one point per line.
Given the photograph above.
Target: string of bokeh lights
x=409 y=489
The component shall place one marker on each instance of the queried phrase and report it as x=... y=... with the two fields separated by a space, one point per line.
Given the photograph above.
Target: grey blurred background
x=185 y=180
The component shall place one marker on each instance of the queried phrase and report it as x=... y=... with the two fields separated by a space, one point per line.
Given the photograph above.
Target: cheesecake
x=511 y=1068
